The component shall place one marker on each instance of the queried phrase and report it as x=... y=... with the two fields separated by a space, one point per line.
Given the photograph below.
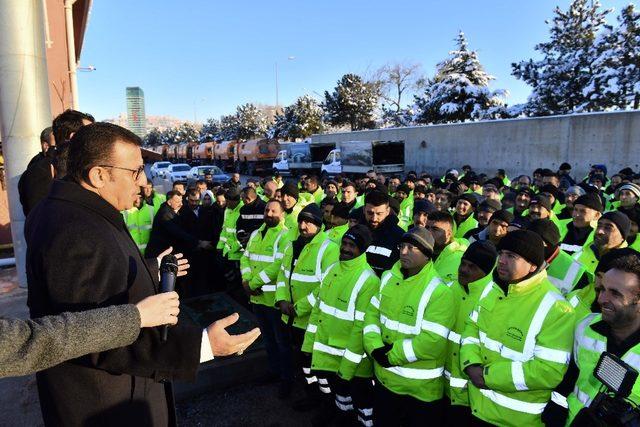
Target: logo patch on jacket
x=408 y=310
x=515 y=333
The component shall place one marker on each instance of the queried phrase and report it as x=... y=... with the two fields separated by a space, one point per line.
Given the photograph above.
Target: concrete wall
x=517 y=145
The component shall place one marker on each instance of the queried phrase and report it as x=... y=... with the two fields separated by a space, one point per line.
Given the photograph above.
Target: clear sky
x=214 y=55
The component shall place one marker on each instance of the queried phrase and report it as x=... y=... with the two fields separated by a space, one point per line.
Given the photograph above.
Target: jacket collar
x=396 y=270
x=357 y=263
x=476 y=288
x=71 y=192
x=525 y=286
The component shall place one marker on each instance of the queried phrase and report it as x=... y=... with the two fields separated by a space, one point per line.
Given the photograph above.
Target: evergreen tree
x=153 y=138
x=562 y=77
x=252 y=122
x=186 y=133
x=210 y=130
x=353 y=102
x=301 y=119
x=616 y=79
x=228 y=127
x=459 y=91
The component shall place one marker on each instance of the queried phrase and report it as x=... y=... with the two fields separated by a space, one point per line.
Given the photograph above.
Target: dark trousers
x=234 y=282
x=353 y=399
x=458 y=415
x=391 y=409
x=276 y=340
x=302 y=364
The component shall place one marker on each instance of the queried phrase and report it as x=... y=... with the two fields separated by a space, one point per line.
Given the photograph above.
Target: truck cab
x=331 y=166
x=281 y=162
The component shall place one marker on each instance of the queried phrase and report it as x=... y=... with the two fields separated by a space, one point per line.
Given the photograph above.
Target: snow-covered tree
x=562 y=77
x=169 y=135
x=186 y=133
x=210 y=130
x=153 y=138
x=298 y=120
x=228 y=127
x=252 y=122
x=390 y=118
x=616 y=79
x=353 y=102
x=459 y=91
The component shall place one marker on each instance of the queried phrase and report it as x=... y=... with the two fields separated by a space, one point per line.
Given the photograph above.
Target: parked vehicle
x=256 y=155
x=307 y=157
x=177 y=172
x=203 y=153
x=224 y=154
x=281 y=163
x=198 y=172
x=157 y=169
x=358 y=157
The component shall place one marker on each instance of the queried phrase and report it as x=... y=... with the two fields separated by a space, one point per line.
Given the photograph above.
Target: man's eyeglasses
x=136 y=172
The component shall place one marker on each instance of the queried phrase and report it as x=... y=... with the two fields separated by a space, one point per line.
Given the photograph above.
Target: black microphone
x=168 y=273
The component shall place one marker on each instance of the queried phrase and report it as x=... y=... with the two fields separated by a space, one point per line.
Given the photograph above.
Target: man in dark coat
x=385 y=232
x=80 y=255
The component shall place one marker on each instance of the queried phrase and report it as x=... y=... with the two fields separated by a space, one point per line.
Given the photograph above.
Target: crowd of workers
x=428 y=299
x=436 y=300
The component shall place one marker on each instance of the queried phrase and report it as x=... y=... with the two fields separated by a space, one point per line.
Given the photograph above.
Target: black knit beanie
x=590 y=200
x=290 y=189
x=421 y=238
x=525 y=243
x=360 y=235
x=311 y=213
x=483 y=254
x=620 y=220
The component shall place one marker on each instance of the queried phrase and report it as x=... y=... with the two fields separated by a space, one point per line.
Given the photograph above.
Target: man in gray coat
x=27 y=346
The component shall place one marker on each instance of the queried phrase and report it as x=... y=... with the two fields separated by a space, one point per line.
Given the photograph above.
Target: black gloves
x=380 y=355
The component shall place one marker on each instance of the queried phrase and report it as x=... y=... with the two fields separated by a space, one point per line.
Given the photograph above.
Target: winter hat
x=341 y=210
x=421 y=238
x=404 y=188
x=469 y=197
x=546 y=229
x=551 y=189
x=574 y=189
x=520 y=222
x=483 y=254
x=525 y=243
x=541 y=200
x=490 y=186
x=290 y=189
x=489 y=205
x=525 y=190
x=311 y=213
x=425 y=206
x=565 y=167
x=360 y=235
x=630 y=186
x=620 y=220
x=502 y=215
x=627 y=172
x=590 y=200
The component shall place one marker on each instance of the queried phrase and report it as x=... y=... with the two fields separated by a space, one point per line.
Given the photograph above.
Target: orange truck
x=203 y=153
x=256 y=156
x=224 y=154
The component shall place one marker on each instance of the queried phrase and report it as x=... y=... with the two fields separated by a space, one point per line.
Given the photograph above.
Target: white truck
x=358 y=157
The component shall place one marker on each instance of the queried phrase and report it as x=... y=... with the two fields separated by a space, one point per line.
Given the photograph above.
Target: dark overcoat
x=80 y=255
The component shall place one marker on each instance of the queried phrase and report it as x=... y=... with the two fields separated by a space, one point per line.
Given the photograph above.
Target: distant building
x=135 y=111
x=121 y=120
x=163 y=122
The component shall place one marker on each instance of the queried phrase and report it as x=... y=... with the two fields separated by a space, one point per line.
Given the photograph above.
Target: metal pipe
x=71 y=51
x=47 y=33
x=24 y=103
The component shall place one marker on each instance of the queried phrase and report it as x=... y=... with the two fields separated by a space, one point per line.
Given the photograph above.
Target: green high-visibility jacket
x=158 y=200
x=335 y=234
x=589 y=345
x=318 y=195
x=405 y=216
x=297 y=280
x=562 y=226
x=465 y=302
x=261 y=260
x=228 y=242
x=523 y=340
x=468 y=224
x=414 y=315
x=557 y=207
x=334 y=332
x=291 y=219
x=589 y=256
x=359 y=201
x=582 y=299
x=565 y=272
x=139 y=222
x=448 y=261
